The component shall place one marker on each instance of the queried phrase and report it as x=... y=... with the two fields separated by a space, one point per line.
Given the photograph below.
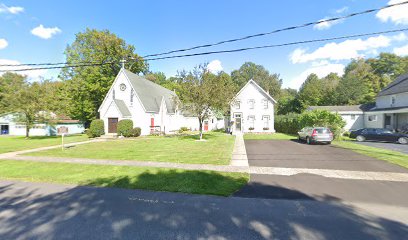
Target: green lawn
x=157 y=179
x=379 y=153
x=272 y=136
x=16 y=143
x=180 y=149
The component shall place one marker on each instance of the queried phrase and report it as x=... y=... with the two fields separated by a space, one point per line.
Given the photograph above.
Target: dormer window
x=251 y=103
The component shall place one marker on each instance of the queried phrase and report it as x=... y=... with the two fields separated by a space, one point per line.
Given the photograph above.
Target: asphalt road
x=385 y=145
x=48 y=211
x=291 y=154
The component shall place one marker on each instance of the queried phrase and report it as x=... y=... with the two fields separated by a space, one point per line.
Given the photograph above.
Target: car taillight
x=314 y=133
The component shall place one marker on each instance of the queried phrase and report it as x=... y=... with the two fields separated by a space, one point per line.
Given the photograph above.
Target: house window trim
x=393 y=100
x=251 y=123
x=266 y=119
x=265 y=104
x=238 y=104
x=251 y=103
x=372 y=120
x=131 y=96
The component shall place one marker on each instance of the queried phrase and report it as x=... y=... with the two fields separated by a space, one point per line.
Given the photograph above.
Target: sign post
x=62 y=130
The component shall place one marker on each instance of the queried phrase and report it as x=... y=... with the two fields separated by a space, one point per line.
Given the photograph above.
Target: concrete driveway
x=292 y=154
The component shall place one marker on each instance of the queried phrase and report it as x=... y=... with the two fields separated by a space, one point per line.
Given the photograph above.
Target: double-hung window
x=265 y=119
x=251 y=103
x=251 y=119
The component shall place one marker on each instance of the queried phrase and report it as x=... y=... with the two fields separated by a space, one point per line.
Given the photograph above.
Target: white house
x=150 y=106
x=390 y=109
x=9 y=126
x=252 y=110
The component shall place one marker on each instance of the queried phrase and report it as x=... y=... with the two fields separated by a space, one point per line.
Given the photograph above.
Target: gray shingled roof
x=399 y=85
x=349 y=108
x=151 y=94
x=122 y=108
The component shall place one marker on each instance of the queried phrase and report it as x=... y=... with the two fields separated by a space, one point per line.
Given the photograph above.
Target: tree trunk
x=27 y=131
x=201 y=127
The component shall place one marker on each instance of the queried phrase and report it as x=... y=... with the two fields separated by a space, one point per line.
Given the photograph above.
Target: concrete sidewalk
x=239 y=154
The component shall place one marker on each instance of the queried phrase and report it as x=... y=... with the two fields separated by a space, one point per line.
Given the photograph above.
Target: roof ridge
x=148 y=81
x=397 y=81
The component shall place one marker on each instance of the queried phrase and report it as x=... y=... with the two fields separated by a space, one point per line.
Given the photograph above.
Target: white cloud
x=397 y=14
x=341 y=10
x=44 y=32
x=321 y=69
x=341 y=51
x=215 y=66
x=3 y=43
x=327 y=25
x=33 y=75
x=400 y=37
x=11 y=10
x=401 y=51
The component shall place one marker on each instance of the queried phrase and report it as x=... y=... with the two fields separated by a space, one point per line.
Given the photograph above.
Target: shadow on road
x=28 y=211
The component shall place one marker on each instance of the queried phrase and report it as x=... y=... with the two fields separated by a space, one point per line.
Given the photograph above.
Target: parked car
x=315 y=134
x=379 y=134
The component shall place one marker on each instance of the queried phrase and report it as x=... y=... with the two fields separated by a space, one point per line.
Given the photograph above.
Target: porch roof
x=389 y=110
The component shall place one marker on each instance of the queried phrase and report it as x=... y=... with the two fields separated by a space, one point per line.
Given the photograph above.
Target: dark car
x=379 y=134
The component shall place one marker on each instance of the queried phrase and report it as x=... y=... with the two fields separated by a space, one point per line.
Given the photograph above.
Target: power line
x=279 y=45
x=228 y=51
x=280 y=30
x=225 y=41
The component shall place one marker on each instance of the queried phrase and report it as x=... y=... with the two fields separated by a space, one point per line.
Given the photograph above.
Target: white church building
x=150 y=106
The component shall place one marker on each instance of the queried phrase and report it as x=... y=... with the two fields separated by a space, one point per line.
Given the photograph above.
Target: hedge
x=96 y=129
x=292 y=123
x=136 y=132
x=125 y=127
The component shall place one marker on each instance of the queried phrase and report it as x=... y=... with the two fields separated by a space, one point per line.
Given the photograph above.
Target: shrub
x=251 y=128
x=287 y=123
x=96 y=129
x=265 y=128
x=183 y=129
x=125 y=127
x=292 y=123
x=323 y=118
x=346 y=134
x=135 y=132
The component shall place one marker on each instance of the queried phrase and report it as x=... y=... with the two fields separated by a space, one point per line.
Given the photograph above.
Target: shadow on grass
x=41 y=211
x=196 y=182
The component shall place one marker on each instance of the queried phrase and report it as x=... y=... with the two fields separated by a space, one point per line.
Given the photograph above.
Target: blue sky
x=39 y=31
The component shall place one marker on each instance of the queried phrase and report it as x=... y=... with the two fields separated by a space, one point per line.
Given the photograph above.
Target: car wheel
x=328 y=143
x=403 y=140
x=308 y=141
x=299 y=139
x=360 y=138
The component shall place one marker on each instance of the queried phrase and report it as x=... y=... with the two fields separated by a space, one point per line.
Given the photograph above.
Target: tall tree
x=88 y=85
x=288 y=102
x=31 y=103
x=156 y=77
x=9 y=83
x=329 y=85
x=249 y=70
x=389 y=65
x=204 y=93
x=311 y=91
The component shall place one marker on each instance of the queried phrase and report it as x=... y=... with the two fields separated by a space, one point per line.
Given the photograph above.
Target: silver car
x=315 y=134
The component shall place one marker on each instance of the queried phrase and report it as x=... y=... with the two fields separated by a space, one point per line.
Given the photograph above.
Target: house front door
x=205 y=125
x=238 y=122
x=112 y=125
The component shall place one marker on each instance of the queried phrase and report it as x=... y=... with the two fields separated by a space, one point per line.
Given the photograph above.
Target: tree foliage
x=87 y=86
x=203 y=93
x=269 y=82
